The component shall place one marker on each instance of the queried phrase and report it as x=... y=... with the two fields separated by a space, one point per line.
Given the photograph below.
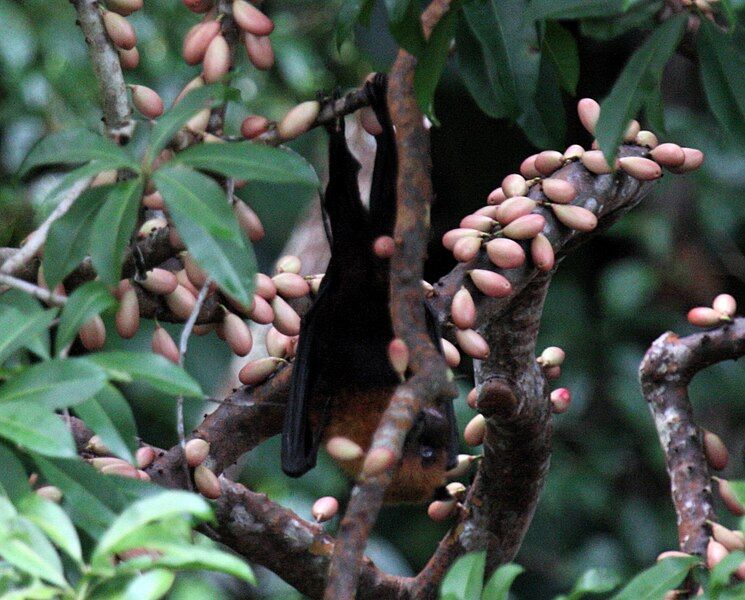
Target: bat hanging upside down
x=342 y=380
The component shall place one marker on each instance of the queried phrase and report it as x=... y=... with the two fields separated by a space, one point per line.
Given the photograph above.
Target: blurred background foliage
x=606 y=501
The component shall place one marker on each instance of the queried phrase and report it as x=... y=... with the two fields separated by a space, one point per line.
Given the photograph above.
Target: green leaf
x=640 y=16
x=109 y=415
x=168 y=125
x=37 y=429
x=161 y=506
x=52 y=384
x=87 y=301
x=738 y=488
x=350 y=13
x=153 y=369
x=655 y=581
x=13 y=477
x=405 y=24
x=76 y=146
x=561 y=48
x=465 y=578
x=208 y=227
x=636 y=84
x=721 y=68
x=18 y=301
x=499 y=584
x=431 y=62
x=723 y=571
x=573 y=9
x=149 y=586
x=26 y=558
x=54 y=522
x=594 y=581
x=543 y=119
x=250 y=161
x=69 y=237
x=18 y=329
x=112 y=229
x=729 y=14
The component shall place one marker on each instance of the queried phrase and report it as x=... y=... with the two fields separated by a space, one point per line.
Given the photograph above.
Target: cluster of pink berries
x=721 y=311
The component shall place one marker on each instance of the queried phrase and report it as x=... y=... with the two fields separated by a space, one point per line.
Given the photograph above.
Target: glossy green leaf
x=149 y=586
x=87 y=301
x=561 y=48
x=465 y=578
x=723 y=571
x=75 y=146
x=251 y=161
x=637 y=84
x=28 y=559
x=499 y=584
x=573 y=9
x=52 y=384
x=594 y=581
x=37 y=429
x=543 y=119
x=405 y=24
x=18 y=301
x=18 y=329
x=722 y=63
x=112 y=229
x=642 y=15
x=738 y=488
x=168 y=125
x=149 y=368
x=652 y=583
x=208 y=227
x=161 y=506
x=109 y=415
x=54 y=522
x=13 y=476
x=69 y=237
x=431 y=62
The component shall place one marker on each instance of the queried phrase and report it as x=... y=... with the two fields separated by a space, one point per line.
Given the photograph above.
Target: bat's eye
x=428 y=455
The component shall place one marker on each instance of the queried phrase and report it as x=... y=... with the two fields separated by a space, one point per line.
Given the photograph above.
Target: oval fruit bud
x=452 y=356
x=505 y=253
x=514 y=185
x=549 y=161
x=196 y=451
x=192 y=85
x=249 y=221
x=277 y=343
x=253 y=126
x=120 y=30
x=703 y=316
x=463 y=309
x=456 y=490
x=646 y=138
x=466 y=249
x=552 y=373
x=561 y=399
x=198 y=39
x=398 y=355
x=542 y=253
x=488 y=211
x=384 y=246
x=463 y=466
x=259 y=50
x=595 y=162
x=159 y=281
x=198 y=124
x=291 y=285
x=528 y=168
x=472 y=399
x=144 y=457
x=163 y=344
x=251 y=19
x=237 y=334
x=514 y=208
x=120 y=468
x=256 y=371
x=553 y=356
x=558 y=190
x=207 y=482
x=151 y=226
x=181 y=302
x=377 y=461
x=715 y=553
x=124 y=7
x=154 y=201
x=261 y=312
x=194 y=273
x=51 y=493
x=496 y=196
x=129 y=59
x=325 y=509
x=288 y=264
x=475 y=431
x=128 y=314
x=183 y=280
x=575 y=151
x=729 y=498
x=285 y=317
x=526 y=227
x=640 y=168
x=147 y=101
x=672 y=554
x=439 y=510
x=472 y=343
x=575 y=217
x=715 y=451
x=632 y=131
x=265 y=286
x=216 y=60
x=693 y=160
x=490 y=283
x=198 y=6
x=725 y=305
x=96 y=446
x=451 y=237
x=668 y=155
x=343 y=449
x=93 y=333
x=731 y=540
x=299 y=120
x=589 y=113
x=478 y=222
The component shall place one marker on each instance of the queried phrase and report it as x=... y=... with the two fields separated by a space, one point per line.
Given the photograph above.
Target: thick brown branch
x=667 y=369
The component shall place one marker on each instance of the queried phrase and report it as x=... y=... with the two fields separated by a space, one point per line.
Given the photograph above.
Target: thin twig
x=34 y=290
